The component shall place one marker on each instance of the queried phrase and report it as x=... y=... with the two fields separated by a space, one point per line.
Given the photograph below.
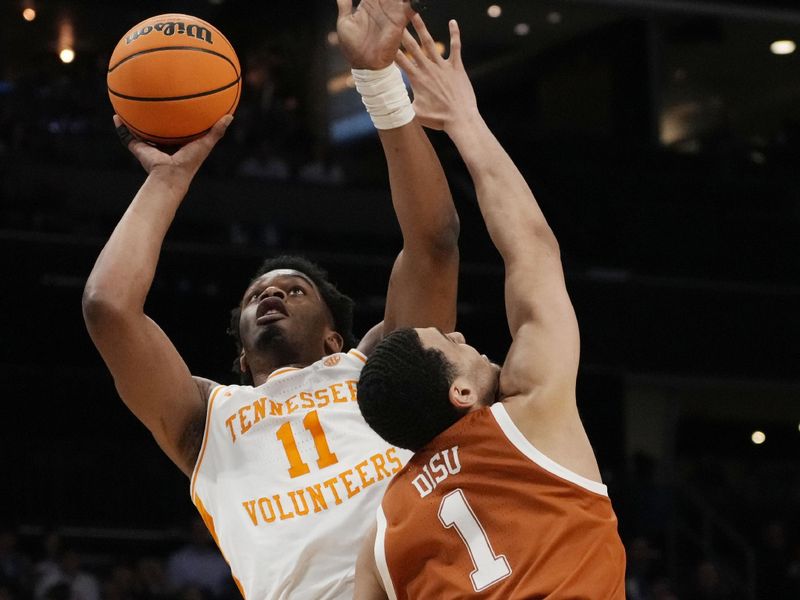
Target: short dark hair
x=403 y=391
x=340 y=305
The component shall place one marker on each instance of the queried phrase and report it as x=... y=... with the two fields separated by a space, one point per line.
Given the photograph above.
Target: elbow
x=443 y=240
x=99 y=309
x=533 y=242
x=546 y=239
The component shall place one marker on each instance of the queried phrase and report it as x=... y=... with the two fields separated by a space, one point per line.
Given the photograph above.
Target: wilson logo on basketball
x=332 y=361
x=171 y=27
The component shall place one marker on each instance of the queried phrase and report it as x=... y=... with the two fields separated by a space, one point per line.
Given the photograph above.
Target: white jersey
x=289 y=477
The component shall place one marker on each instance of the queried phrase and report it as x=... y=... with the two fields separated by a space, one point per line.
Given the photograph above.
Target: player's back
x=288 y=476
x=479 y=512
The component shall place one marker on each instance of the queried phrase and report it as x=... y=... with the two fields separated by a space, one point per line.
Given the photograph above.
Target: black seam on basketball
x=192 y=48
x=143 y=133
x=235 y=100
x=173 y=98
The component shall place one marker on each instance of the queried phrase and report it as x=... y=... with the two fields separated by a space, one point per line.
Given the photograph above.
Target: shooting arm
x=150 y=376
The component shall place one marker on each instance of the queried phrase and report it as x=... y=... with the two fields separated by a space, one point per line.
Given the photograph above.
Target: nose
x=457 y=337
x=271 y=291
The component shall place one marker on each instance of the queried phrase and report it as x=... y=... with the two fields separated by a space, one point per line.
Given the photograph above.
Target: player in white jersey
x=285 y=472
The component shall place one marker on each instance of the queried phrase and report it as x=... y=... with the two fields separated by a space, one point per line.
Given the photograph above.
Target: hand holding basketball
x=171 y=77
x=185 y=161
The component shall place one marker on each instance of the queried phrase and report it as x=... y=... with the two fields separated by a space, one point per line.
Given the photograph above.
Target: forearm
x=420 y=194
x=512 y=215
x=124 y=271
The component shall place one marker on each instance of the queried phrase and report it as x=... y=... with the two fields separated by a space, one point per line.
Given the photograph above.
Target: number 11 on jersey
x=311 y=423
x=455 y=511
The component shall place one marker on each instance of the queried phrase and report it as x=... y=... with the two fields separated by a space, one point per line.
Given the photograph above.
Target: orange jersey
x=480 y=512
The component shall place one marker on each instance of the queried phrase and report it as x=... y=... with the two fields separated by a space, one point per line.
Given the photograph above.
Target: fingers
x=345 y=7
x=200 y=148
x=412 y=47
x=124 y=134
x=219 y=128
x=455 y=42
x=425 y=38
x=407 y=65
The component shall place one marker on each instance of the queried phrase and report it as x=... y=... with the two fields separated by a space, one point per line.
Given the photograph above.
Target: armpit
x=192 y=437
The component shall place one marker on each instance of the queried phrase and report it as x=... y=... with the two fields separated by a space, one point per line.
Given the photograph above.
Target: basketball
x=171 y=77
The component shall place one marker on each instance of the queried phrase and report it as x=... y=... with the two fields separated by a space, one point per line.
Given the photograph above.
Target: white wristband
x=385 y=96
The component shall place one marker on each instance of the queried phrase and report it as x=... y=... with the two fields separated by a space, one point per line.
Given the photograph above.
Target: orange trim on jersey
x=209 y=522
x=205 y=439
x=358 y=354
x=239 y=585
x=281 y=372
x=207 y=518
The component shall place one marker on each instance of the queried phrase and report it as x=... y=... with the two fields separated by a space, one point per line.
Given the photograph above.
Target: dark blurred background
x=662 y=140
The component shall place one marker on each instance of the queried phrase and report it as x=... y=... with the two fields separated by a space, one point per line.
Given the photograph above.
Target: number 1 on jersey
x=455 y=511
x=325 y=457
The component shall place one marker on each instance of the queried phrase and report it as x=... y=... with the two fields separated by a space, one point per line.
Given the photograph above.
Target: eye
x=297 y=291
x=253 y=296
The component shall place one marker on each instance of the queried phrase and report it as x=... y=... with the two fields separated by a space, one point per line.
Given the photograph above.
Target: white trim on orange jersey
x=523 y=444
x=380 y=555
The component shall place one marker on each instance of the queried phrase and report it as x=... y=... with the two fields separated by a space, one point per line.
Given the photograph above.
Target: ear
x=462 y=396
x=243 y=362
x=333 y=342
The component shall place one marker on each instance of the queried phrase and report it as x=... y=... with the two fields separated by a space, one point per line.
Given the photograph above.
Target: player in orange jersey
x=285 y=472
x=503 y=498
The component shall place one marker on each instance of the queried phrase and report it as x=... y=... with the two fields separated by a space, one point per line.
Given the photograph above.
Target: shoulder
x=558 y=436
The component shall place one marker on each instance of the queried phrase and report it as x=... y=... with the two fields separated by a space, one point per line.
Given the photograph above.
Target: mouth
x=270 y=309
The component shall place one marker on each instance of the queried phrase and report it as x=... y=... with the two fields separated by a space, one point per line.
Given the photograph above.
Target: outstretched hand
x=370 y=35
x=186 y=161
x=443 y=93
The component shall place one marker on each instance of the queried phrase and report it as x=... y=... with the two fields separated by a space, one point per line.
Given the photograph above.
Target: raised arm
x=150 y=376
x=543 y=360
x=424 y=280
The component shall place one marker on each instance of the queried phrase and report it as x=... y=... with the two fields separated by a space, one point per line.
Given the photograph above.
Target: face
x=476 y=374
x=284 y=316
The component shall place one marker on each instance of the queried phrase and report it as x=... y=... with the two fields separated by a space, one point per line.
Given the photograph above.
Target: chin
x=268 y=334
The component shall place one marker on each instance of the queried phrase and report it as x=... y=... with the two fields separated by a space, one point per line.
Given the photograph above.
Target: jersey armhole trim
x=358 y=354
x=204 y=444
x=380 y=554
x=518 y=439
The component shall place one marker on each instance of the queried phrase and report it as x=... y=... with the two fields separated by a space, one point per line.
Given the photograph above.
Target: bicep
x=422 y=290
x=368 y=582
x=154 y=382
x=545 y=351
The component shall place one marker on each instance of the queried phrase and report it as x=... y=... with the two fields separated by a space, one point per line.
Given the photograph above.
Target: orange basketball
x=172 y=77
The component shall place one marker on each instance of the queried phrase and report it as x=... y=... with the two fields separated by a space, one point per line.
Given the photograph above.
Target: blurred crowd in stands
x=61 y=113
x=50 y=566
